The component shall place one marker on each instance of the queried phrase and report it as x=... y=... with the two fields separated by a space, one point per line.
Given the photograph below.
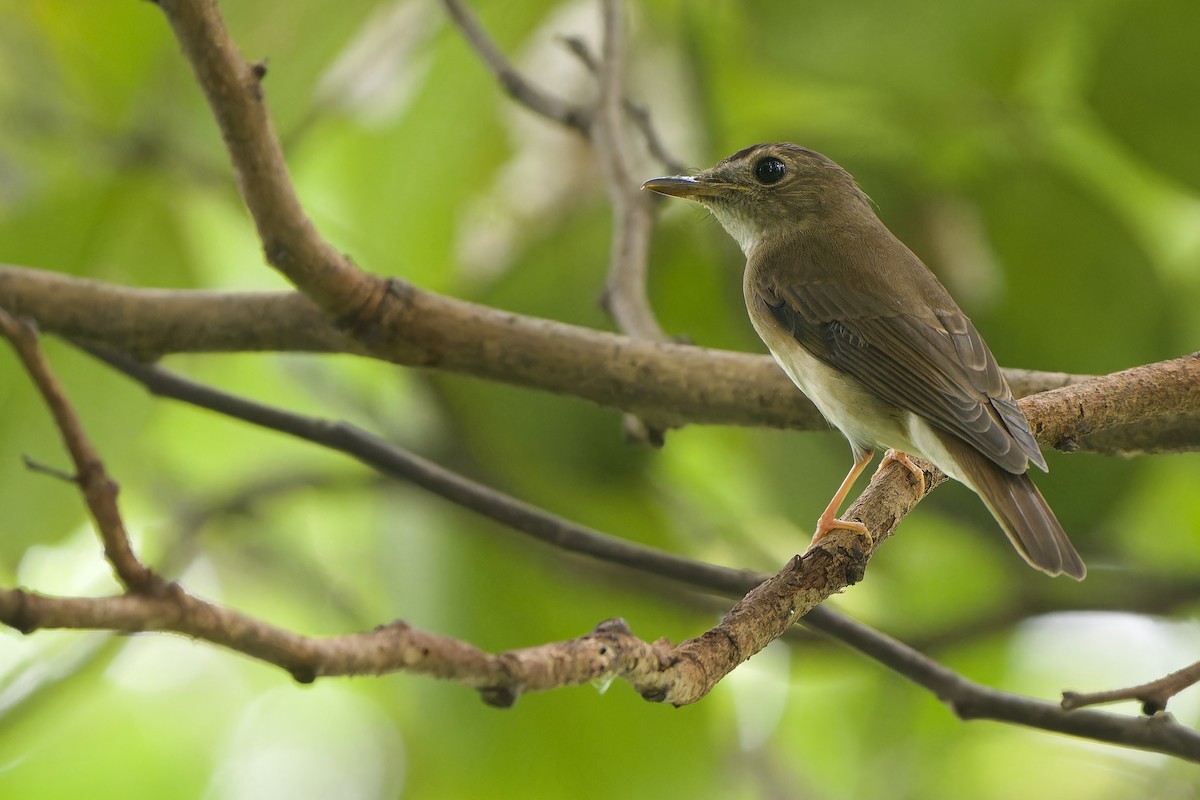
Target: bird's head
x=769 y=190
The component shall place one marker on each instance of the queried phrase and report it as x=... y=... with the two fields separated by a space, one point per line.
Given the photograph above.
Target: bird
x=872 y=337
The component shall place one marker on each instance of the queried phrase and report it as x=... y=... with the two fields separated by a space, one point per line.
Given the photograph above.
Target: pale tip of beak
x=676 y=186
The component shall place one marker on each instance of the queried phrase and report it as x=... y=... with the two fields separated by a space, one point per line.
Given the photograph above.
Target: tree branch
x=399 y=463
x=658 y=671
x=99 y=491
x=694 y=667
x=1063 y=416
x=233 y=88
x=969 y=700
x=666 y=384
x=625 y=297
x=637 y=113
x=1153 y=695
x=518 y=87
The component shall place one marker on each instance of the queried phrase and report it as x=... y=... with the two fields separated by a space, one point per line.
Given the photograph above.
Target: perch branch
x=659 y=671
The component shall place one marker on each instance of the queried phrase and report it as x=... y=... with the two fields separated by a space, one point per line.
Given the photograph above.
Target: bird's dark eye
x=769 y=170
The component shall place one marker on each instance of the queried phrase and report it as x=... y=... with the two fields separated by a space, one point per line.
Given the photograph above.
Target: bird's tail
x=1021 y=510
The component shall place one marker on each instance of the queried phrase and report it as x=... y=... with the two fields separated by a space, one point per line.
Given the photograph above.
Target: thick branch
x=666 y=384
x=234 y=91
x=156 y=322
x=1061 y=418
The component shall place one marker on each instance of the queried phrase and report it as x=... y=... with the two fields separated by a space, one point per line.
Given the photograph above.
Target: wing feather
x=935 y=365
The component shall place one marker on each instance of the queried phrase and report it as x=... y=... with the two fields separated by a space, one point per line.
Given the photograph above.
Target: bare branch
x=666 y=384
x=969 y=700
x=624 y=294
x=636 y=112
x=660 y=672
x=397 y=647
x=695 y=666
x=1061 y=417
x=157 y=322
x=1153 y=696
x=625 y=297
x=518 y=87
x=99 y=491
x=397 y=462
x=526 y=93
x=234 y=91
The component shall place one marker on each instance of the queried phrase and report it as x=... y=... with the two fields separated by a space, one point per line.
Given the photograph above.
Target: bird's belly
x=849 y=406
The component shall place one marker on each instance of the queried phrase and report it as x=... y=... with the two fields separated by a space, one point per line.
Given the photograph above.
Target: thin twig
x=1153 y=695
x=45 y=469
x=99 y=491
x=625 y=296
x=969 y=700
x=636 y=112
x=518 y=87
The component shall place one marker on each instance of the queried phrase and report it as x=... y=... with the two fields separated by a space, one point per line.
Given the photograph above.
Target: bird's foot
x=829 y=523
x=903 y=460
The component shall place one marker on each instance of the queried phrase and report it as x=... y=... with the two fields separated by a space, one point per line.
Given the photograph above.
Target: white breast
x=847 y=405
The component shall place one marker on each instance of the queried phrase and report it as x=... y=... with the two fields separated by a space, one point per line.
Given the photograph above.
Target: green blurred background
x=1040 y=156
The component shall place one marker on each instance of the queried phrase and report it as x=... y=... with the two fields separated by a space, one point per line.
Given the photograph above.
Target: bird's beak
x=683 y=186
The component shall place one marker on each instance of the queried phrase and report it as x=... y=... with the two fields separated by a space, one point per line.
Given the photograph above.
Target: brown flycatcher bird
x=874 y=339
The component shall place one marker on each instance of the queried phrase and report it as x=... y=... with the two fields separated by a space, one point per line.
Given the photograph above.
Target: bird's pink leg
x=828 y=520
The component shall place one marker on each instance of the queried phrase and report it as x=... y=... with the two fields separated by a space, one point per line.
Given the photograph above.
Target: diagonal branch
x=518 y=87
x=970 y=700
x=657 y=670
x=399 y=463
x=99 y=491
x=695 y=666
x=233 y=88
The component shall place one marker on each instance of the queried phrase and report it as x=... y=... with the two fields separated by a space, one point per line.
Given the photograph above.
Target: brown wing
x=935 y=366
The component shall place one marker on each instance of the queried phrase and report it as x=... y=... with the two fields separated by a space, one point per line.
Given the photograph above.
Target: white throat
x=741 y=228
